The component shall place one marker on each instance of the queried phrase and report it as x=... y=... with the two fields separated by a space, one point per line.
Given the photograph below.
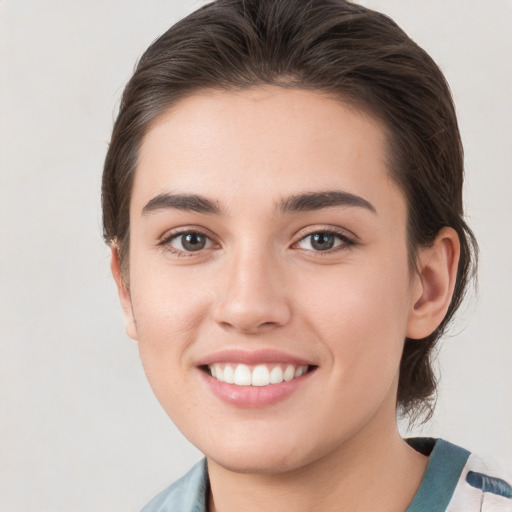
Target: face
x=270 y=292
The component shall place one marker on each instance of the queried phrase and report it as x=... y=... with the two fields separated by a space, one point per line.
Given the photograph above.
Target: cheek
x=168 y=317
x=168 y=311
x=361 y=313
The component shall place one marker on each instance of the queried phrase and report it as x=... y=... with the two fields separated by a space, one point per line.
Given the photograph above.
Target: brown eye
x=323 y=241
x=190 y=242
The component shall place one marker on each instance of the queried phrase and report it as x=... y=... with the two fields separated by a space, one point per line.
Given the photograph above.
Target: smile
x=255 y=375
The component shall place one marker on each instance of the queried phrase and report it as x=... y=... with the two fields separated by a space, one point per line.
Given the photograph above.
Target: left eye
x=190 y=242
x=322 y=241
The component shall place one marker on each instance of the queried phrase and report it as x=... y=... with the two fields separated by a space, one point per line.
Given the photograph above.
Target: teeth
x=229 y=374
x=242 y=375
x=276 y=375
x=298 y=372
x=259 y=375
x=289 y=373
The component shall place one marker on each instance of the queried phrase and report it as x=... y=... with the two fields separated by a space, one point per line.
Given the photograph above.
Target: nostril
x=250 y=304
x=248 y=324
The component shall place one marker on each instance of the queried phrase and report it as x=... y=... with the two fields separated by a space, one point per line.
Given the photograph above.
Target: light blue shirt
x=449 y=484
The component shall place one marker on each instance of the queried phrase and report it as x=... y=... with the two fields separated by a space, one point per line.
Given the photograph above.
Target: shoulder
x=483 y=486
x=188 y=494
x=459 y=481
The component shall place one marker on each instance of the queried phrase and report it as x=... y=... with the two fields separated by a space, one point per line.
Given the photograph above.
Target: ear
x=434 y=284
x=123 y=292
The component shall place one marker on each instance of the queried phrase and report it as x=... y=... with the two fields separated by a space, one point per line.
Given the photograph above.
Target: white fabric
x=467 y=498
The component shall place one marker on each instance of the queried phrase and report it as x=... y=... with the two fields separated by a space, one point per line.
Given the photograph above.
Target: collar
x=190 y=493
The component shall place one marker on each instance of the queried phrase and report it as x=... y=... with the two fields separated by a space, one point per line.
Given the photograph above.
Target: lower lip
x=254 y=396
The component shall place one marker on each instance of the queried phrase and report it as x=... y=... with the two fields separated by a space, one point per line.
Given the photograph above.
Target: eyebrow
x=308 y=201
x=318 y=200
x=184 y=202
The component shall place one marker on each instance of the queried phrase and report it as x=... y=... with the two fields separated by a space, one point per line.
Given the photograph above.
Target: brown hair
x=343 y=49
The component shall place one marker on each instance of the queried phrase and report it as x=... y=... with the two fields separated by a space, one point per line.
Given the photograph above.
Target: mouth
x=259 y=375
x=257 y=378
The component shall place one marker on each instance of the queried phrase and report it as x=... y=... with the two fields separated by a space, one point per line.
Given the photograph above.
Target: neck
x=372 y=471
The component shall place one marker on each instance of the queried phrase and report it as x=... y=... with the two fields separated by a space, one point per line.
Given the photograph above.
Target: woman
x=283 y=199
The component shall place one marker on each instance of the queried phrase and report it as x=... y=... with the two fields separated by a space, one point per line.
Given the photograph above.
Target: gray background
x=79 y=427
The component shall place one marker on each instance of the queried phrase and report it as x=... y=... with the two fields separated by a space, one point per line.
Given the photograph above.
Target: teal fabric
x=190 y=493
x=443 y=472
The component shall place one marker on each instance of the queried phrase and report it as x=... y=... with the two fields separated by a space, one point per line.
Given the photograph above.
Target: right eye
x=187 y=242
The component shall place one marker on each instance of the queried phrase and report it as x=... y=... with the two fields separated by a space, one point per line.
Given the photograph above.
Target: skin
x=260 y=284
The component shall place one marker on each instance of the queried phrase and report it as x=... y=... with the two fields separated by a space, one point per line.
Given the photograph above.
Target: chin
x=256 y=454
x=248 y=462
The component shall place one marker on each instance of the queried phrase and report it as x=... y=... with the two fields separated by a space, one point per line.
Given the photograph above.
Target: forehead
x=262 y=143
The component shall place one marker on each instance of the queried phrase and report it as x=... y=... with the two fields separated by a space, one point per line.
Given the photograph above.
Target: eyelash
x=166 y=242
x=346 y=241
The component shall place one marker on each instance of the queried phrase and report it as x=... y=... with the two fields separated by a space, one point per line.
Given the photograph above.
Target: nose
x=253 y=296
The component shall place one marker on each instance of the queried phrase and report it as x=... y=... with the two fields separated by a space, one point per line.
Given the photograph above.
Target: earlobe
x=123 y=292
x=434 y=285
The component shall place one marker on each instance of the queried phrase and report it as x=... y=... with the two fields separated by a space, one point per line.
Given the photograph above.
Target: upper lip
x=252 y=357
